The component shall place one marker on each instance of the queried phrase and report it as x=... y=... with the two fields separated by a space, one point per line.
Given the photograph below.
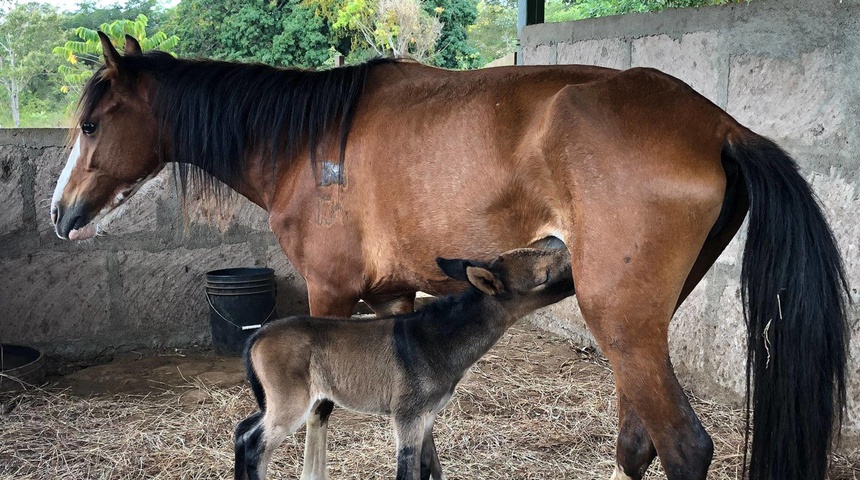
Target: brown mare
x=370 y=172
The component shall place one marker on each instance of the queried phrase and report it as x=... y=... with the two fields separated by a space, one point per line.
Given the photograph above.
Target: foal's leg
x=430 y=466
x=241 y=446
x=281 y=419
x=409 y=430
x=314 y=466
x=323 y=302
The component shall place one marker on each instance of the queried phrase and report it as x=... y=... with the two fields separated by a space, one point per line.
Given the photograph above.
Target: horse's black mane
x=212 y=113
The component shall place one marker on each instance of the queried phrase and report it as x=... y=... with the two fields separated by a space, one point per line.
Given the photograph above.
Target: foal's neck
x=465 y=330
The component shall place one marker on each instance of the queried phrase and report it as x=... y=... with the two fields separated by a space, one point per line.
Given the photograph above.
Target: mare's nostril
x=54 y=214
x=59 y=211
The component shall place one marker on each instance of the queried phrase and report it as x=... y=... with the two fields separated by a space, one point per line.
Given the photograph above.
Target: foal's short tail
x=253 y=380
x=792 y=285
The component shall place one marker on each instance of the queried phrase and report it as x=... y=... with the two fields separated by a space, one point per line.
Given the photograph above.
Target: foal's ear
x=454 y=268
x=484 y=280
x=132 y=47
x=110 y=53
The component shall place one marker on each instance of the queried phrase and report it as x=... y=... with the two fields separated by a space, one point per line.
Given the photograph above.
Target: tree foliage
x=285 y=33
x=398 y=28
x=83 y=56
x=24 y=30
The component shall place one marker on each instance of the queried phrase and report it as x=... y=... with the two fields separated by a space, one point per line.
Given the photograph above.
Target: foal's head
x=524 y=279
x=115 y=146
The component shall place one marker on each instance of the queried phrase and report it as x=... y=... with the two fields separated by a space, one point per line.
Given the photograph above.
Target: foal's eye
x=89 y=128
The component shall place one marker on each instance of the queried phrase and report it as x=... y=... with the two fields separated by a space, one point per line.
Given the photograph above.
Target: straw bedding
x=535 y=407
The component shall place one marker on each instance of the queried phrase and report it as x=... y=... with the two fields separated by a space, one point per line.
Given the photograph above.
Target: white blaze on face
x=65 y=175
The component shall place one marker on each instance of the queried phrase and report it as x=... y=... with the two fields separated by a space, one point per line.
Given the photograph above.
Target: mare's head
x=114 y=149
x=524 y=279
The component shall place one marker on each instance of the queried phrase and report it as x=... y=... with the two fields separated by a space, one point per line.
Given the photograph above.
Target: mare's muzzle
x=71 y=218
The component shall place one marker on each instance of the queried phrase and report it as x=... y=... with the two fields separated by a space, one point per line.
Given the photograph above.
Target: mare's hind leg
x=635 y=450
x=314 y=466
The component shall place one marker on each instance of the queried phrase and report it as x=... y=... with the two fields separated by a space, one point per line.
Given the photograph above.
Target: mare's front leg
x=409 y=431
x=323 y=302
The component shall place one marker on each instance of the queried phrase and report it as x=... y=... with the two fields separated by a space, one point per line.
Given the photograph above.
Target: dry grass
x=534 y=408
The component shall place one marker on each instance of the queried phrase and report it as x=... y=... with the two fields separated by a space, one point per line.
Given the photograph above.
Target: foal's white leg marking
x=314 y=463
x=619 y=474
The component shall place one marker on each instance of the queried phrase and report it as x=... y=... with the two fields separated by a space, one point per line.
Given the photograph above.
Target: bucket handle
x=241 y=327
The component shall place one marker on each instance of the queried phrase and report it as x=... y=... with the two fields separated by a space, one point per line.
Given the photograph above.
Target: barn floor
x=535 y=407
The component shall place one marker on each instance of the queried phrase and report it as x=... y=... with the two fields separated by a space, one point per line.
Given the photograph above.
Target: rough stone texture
x=693 y=59
x=162 y=294
x=610 y=52
x=10 y=190
x=817 y=113
x=57 y=301
x=539 y=55
x=787 y=69
x=292 y=289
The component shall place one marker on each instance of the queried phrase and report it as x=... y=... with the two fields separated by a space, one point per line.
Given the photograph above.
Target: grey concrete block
x=539 y=55
x=610 y=52
x=161 y=295
x=694 y=58
x=292 y=289
x=57 y=301
x=797 y=101
x=11 y=195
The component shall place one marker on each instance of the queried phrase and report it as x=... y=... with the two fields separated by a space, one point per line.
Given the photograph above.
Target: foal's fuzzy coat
x=405 y=366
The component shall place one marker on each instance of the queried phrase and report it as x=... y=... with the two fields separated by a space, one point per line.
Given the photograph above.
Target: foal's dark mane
x=214 y=114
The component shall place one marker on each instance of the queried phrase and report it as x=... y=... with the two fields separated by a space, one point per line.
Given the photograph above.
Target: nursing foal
x=405 y=366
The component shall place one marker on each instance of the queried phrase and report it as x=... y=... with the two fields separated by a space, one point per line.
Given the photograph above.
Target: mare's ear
x=454 y=268
x=110 y=53
x=484 y=280
x=132 y=47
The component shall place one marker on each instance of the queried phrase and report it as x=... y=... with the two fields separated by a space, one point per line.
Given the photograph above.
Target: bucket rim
x=240 y=273
x=33 y=356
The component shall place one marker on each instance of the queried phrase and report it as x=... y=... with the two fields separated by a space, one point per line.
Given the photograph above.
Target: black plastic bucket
x=20 y=366
x=240 y=300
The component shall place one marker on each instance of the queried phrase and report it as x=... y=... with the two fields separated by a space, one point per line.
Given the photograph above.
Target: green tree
x=398 y=28
x=494 y=33
x=453 y=49
x=82 y=56
x=285 y=33
x=25 y=31
x=91 y=16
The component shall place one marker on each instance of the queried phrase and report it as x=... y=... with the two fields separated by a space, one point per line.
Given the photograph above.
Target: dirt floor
x=535 y=407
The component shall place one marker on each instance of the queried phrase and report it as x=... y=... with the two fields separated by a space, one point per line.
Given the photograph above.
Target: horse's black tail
x=793 y=286
x=253 y=380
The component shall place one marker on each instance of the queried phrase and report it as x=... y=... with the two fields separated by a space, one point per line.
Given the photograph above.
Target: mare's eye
x=89 y=128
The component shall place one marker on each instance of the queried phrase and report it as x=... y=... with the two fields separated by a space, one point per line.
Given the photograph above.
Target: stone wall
x=788 y=69
x=140 y=285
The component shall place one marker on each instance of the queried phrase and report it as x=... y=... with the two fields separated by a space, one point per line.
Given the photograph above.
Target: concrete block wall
x=789 y=70
x=141 y=284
